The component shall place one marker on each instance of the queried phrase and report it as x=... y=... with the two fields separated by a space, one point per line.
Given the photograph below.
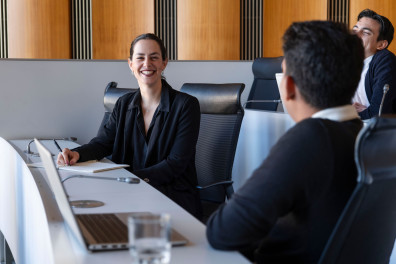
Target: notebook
x=96 y=232
x=91 y=166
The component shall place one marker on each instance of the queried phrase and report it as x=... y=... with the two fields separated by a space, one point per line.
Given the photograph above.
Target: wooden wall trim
x=39 y=29
x=208 y=30
x=280 y=14
x=116 y=23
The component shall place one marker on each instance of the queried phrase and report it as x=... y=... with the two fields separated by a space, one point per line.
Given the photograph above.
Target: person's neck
x=303 y=111
x=151 y=95
x=369 y=55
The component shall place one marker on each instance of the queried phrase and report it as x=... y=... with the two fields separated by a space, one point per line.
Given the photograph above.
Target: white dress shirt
x=339 y=113
x=360 y=95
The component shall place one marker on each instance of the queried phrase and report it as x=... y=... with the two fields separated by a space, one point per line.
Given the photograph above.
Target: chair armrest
x=215 y=184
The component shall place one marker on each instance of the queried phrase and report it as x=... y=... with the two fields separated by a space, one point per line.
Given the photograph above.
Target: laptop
x=279 y=77
x=96 y=232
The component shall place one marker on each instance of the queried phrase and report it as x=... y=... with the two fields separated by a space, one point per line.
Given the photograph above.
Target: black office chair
x=366 y=230
x=111 y=95
x=264 y=86
x=221 y=118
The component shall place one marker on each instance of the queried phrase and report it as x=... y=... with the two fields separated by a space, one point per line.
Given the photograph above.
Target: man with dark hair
x=376 y=32
x=287 y=209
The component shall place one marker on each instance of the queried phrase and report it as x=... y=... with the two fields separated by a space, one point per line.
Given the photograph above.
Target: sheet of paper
x=87 y=166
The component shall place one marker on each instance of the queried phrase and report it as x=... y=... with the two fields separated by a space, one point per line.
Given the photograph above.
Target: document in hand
x=93 y=166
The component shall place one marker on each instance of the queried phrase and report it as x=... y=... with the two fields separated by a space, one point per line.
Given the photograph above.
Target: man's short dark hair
x=386 y=27
x=325 y=61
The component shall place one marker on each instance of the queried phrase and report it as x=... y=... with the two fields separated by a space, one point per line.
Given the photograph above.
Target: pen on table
x=60 y=149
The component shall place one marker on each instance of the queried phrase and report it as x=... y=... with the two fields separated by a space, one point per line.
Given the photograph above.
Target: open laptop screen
x=59 y=191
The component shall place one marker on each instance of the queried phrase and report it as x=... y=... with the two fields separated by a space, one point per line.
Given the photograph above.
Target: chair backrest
x=111 y=95
x=366 y=229
x=264 y=85
x=221 y=117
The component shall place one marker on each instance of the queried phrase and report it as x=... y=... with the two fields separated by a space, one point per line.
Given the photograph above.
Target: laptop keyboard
x=105 y=228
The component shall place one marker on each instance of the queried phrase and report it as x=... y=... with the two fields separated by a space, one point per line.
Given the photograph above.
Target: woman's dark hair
x=149 y=36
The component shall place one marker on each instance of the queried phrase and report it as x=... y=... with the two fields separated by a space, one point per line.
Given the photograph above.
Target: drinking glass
x=149 y=238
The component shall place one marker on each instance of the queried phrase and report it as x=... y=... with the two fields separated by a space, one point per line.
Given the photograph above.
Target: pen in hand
x=61 y=151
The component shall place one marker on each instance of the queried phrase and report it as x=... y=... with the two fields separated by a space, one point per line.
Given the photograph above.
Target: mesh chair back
x=264 y=86
x=111 y=95
x=366 y=230
x=221 y=117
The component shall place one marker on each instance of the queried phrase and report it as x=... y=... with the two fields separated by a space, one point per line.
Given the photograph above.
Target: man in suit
x=379 y=68
x=287 y=209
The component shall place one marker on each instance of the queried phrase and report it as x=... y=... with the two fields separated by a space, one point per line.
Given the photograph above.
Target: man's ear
x=382 y=44
x=290 y=88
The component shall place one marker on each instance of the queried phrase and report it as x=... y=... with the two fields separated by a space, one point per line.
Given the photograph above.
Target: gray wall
x=50 y=98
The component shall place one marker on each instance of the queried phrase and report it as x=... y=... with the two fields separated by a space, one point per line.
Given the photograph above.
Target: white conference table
x=33 y=227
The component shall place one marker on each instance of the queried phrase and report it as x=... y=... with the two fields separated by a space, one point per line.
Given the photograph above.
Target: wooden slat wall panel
x=166 y=25
x=39 y=29
x=208 y=29
x=338 y=10
x=3 y=30
x=115 y=23
x=251 y=29
x=82 y=29
x=279 y=14
x=383 y=7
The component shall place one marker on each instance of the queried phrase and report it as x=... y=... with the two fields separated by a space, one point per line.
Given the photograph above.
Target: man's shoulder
x=384 y=55
x=313 y=128
x=386 y=52
x=305 y=131
x=310 y=125
x=382 y=64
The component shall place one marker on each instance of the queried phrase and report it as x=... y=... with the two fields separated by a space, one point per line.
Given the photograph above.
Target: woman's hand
x=68 y=157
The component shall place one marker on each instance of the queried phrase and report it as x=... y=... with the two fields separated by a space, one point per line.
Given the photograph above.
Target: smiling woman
x=154 y=130
x=147 y=62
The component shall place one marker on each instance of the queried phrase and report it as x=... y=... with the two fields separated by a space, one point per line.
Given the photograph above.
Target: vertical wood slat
x=3 y=30
x=249 y=39
x=260 y=47
x=251 y=29
x=82 y=33
x=337 y=11
x=243 y=29
x=347 y=12
x=166 y=25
